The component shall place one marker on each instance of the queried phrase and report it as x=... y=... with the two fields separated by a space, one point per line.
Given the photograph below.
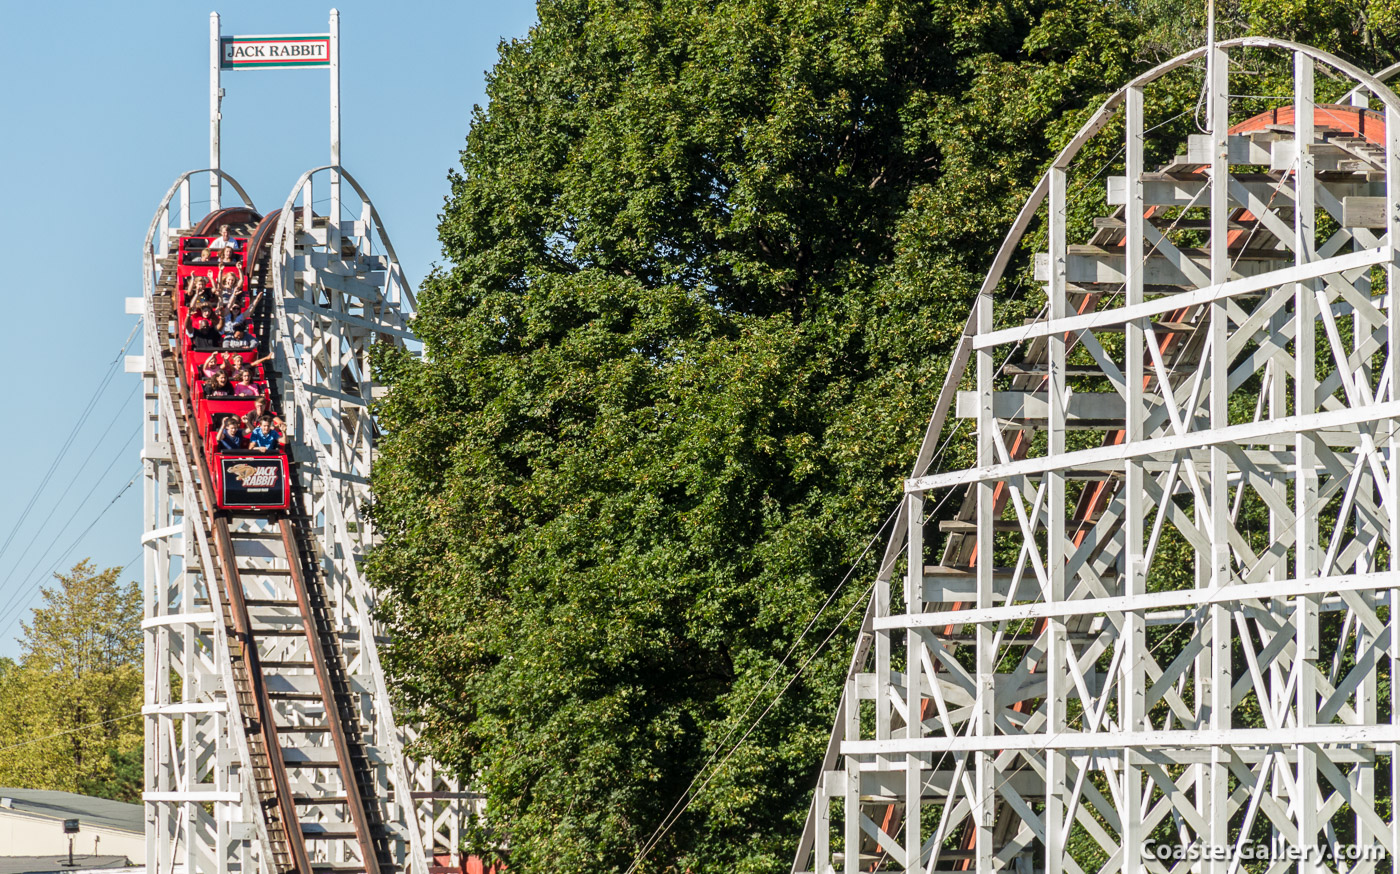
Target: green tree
x=68 y=707
x=707 y=262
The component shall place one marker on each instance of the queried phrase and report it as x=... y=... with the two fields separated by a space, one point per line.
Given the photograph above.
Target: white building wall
x=23 y=834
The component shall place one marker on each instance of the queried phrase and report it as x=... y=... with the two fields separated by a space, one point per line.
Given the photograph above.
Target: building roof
x=51 y=804
x=54 y=864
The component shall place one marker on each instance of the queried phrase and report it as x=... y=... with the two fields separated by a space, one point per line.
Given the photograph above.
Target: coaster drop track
x=270 y=743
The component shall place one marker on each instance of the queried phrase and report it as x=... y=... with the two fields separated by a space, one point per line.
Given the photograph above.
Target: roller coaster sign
x=280 y=52
x=252 y=481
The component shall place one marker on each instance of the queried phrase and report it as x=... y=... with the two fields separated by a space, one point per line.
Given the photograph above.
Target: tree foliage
x=705 y=265
x=67 y=707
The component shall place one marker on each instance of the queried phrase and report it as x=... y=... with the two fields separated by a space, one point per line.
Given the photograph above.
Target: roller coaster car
x=194 y=362
x=242 y=482
x=190 y=263
x=194 y=378
x=192 y=251
x=211 y=412
x=248 y=482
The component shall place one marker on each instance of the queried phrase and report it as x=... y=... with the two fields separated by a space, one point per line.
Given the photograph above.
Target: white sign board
x=274 y=52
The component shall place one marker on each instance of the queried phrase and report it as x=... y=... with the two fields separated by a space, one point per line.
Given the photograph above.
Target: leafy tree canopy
x=69 y=706
x=706 y=262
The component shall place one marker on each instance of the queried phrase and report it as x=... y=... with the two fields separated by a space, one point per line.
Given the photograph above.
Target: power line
x=35 y=740
x=103 y=382
x=57 y=502
x=671 y=821
x=20 y=590
x=673 y=815
x=9 y=619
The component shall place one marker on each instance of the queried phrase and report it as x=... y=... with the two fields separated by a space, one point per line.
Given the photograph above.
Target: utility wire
x=686 y=798
x=18 y=591
x=9 y=620
x=35 y=740
x=29 y=543
x=103 y=382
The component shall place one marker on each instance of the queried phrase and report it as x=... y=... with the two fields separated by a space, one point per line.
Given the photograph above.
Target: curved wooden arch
x=1196 y=286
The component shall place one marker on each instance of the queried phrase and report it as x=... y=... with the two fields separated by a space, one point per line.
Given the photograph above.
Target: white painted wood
x=1095 y=741
x=1151 y=601
x=216 y=95
x=1112 y=317
x=1364 y=212
x=1108 y=456
x=190 y=741
x=1066 y=683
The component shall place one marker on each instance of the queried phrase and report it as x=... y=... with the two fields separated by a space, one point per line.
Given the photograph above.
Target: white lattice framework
x=337 y=289
x=1107 y=665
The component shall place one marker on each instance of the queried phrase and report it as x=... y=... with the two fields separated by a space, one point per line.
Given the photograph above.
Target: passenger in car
x=230 y=286
x=219 y=362
x=202 y=327
x=262 y=406
x=197 y=291
x=235 y=334
x=219 y=386
x=222 y=241
x=235 y=316
x=243 y=386
x=240 y=340
x=266 y=438
x=231 y=437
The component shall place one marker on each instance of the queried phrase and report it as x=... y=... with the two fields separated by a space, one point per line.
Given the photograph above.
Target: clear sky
x=102 y=106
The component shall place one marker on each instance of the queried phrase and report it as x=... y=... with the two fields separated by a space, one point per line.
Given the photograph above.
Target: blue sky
x=101 y=107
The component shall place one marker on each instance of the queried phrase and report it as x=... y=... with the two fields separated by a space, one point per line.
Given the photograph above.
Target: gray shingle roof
x=50 y=864
x=70 y=805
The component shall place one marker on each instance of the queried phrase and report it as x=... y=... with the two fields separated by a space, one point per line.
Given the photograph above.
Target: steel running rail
x=296 y=757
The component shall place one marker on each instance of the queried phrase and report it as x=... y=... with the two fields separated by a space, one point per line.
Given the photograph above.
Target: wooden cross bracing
x=1160 y=634
x=336 y=289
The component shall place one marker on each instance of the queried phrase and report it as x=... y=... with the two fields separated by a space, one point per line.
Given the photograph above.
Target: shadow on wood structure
x=1160 y=632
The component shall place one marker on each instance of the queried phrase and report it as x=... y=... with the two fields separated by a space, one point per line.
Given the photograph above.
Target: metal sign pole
x=1210 y=60
x=335 y=117
x=215 y=95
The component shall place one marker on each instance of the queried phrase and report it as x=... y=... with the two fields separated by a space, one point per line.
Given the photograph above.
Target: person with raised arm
x=235 y=326
x=231 y=437
x=230 y=287
x=197 y=291
x=202 y=327
x=220 y=362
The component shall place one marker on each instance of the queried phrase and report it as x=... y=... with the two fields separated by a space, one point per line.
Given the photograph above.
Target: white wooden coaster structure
x=271 y=745
x=1051 y=692
x=336 y=289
